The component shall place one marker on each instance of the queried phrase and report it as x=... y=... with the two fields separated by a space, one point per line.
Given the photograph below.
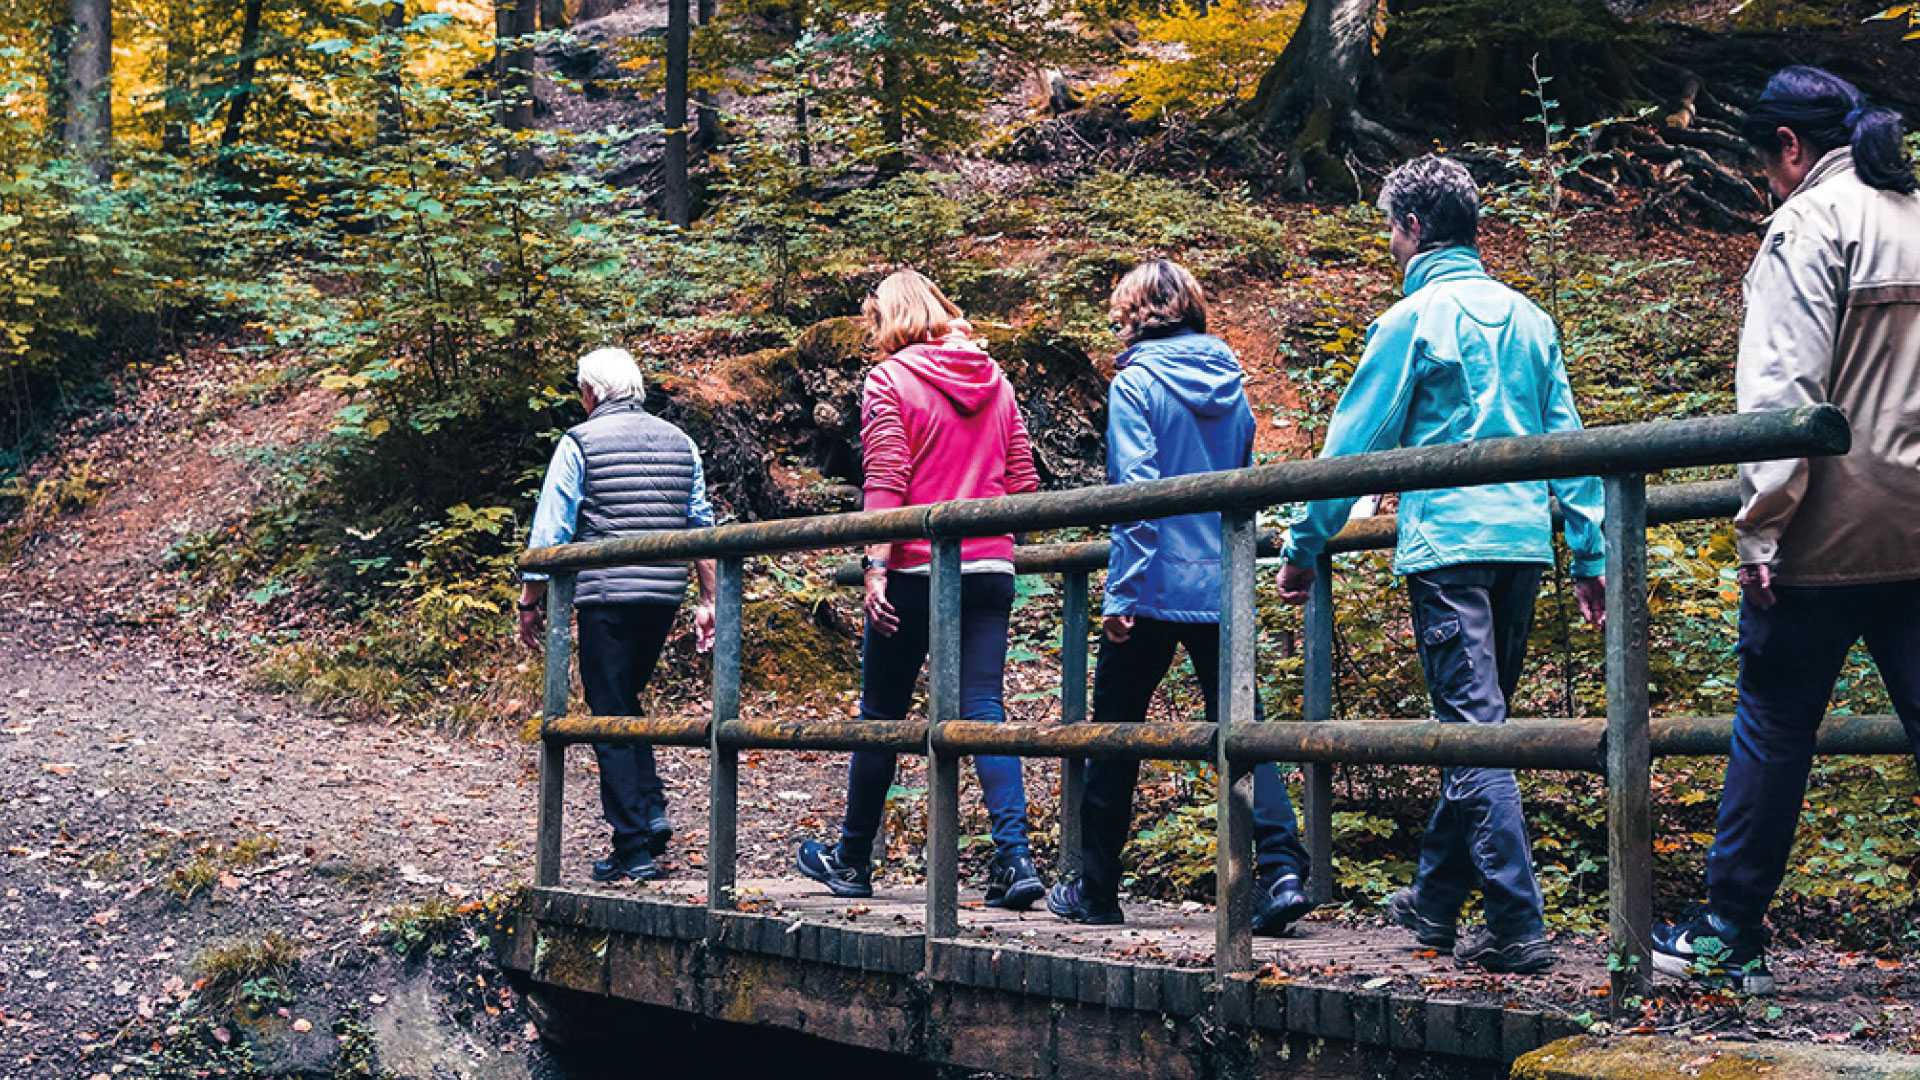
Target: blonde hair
x=1157 y=295
x=907 y=308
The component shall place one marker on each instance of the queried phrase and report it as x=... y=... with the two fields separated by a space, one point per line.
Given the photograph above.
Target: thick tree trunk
x=893 y=95
x=676 y=198
x=243 y=77
x=90 y=86
x=59 y=49
x=515 y=20
x=1312 y=96
x=553 y=14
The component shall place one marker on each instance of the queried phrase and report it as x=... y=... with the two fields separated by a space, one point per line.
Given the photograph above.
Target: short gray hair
x=1440 y=192
x=612 y=375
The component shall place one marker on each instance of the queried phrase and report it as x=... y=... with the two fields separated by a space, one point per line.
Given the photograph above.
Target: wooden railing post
x=1629 y=750
x=1073 y=710
x=553 y=706
x=1316 y=706
x=943 y=769
x=723 y=785
x=1239 y=628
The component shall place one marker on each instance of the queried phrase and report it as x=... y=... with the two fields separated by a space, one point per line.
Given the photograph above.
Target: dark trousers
x=1790 y=656
x=889 y=668
x=619 y=646
x=1471 y=622
x=1124 y=680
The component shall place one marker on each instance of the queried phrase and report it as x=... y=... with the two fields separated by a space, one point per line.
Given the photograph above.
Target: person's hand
x=533 y=626
x=703 y=626
x=1118 y=628
x=880 y=615
x=1591 y=594
x=1756 y=581
x=1296 y=581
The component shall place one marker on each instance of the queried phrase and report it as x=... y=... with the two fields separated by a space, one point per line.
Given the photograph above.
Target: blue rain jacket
x=1176 y=407
x=1461 y=358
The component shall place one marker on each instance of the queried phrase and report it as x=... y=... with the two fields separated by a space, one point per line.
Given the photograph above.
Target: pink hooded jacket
x=938 y=422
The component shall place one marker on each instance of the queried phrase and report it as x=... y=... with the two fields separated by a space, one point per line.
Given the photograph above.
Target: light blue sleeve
x=699 y=510
x=1133 y=455
x=555 y=515
x=1582 y=503
x=1372 y=415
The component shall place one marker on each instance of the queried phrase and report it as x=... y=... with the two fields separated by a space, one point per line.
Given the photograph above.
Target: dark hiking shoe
x=822 y=864
x=1278 y=904
x=1503 y=955
x=630 y=866
x=1014 y=883
x=1070 y=901
x=659 y=832
x=1403 y=910
x=1715 y=953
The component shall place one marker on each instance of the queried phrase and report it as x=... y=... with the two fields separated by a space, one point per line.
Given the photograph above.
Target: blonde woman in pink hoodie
x=937 y=422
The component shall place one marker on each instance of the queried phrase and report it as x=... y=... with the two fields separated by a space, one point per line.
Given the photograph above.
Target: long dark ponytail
x=1828 y=112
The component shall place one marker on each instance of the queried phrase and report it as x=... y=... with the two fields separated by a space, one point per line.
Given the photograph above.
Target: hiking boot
x=1404 y=910
x=1014 y=883
x=822 y=864
x=1714 y=952
x=1278 y=904
x=1505 y=955
x=628 y=866
x=659 y=831
x=1070 y=901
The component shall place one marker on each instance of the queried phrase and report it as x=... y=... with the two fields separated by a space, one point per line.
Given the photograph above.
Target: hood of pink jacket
x=961 y=371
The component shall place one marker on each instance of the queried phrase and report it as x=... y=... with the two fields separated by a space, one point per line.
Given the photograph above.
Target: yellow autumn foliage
x=1198 y=60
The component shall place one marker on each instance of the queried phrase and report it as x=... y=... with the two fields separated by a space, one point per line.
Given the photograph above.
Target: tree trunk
x=553 y=14
x=675 y=197
x=706 y=131
x=243 y=77
x=90 y=86
x=392 y=119
x=176 y=104
x=515 y=20
x=893 y=95
x=1312 y=96
x=59 y=50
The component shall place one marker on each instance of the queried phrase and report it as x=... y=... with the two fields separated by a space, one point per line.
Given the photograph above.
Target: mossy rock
x=786 y=651
x=1590 y=1057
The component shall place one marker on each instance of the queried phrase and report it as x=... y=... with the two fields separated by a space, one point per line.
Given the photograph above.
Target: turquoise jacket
x=1461 y=358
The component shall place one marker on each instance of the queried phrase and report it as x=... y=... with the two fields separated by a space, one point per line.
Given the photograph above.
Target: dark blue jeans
x=619 y=647
x=1790 y=656
x=1124 y=680
x=889 y=668
x=1471 y=622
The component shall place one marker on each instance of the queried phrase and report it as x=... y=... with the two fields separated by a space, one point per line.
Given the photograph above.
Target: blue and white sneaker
x=822 y=863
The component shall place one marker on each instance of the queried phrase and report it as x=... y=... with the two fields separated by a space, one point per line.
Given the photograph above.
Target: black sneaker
x=631 y=866
x=822 y=864
x=1404 y=910
x=1014 y=883
x=1070 y=901
x=1515 y=956
x=1278 y=904
x=1714 y=952
x=659 y=832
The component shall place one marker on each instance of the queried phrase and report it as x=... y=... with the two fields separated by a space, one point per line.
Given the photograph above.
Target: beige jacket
x=1833 y=315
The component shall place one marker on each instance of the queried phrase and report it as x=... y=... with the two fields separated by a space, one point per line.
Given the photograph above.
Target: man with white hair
x=621 y=473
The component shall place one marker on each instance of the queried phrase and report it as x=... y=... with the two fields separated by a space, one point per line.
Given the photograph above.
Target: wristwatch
x=868 y=562
x=530 y=607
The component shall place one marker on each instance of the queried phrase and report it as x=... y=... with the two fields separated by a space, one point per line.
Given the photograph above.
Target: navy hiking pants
x=619 y=646
x=1790 y=657
x=1471 y=622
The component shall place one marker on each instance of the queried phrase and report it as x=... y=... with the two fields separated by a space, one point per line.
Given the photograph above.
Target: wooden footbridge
x=1176 y=991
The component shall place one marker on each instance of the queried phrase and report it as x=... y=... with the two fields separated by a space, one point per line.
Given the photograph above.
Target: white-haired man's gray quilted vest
x=639 y=479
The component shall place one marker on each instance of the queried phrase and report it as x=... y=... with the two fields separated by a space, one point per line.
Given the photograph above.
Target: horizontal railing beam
x=1517 y=744
x=1808 y=431
x=897 y=736
x=1157 y=742
x=628 y=730
x=1700 y=501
